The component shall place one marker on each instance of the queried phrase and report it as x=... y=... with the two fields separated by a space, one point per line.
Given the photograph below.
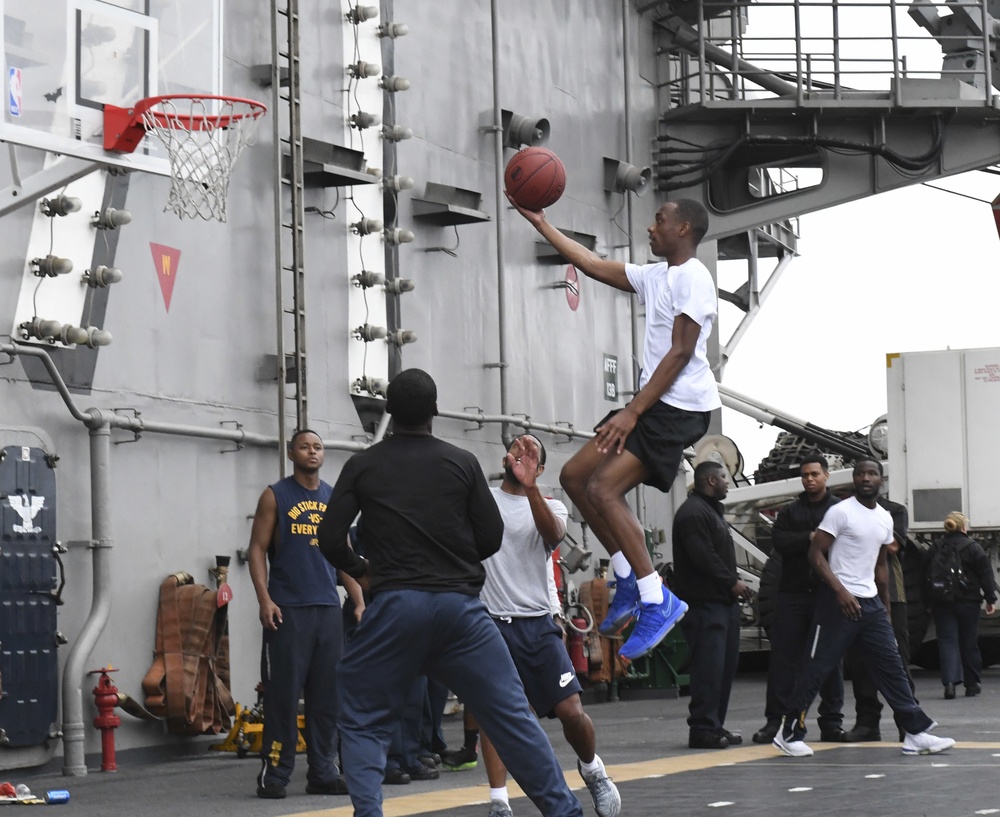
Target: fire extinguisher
x=576 y=645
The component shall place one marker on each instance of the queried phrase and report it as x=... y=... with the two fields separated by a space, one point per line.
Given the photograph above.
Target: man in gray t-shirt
x=516 y=594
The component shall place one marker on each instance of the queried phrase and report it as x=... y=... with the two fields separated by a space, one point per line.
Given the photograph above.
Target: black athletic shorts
x=542 y=661
x=660 y=437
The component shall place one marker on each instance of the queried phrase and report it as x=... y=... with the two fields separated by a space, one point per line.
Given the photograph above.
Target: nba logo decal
x=14 y=95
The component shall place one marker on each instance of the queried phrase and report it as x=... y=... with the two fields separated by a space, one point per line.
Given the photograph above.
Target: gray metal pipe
x=514 y=420
x=629 y=207
x=14 y=349
x=640 y=504
x=501 y=203
x=278 y=182
x=234 y=435
x=688 y=39
x=137 y=425
x=74 y=762
x=817 y=435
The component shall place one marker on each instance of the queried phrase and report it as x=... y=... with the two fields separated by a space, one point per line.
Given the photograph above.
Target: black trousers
x=712 y=630
x=957 y=627
x=790 y=645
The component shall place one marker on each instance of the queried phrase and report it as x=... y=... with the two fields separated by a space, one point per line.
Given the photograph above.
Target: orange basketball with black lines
x=535 y=178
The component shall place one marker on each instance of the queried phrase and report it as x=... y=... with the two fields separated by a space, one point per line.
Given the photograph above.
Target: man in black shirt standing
x=429 y=521
x=705 y=577
x=795 y=606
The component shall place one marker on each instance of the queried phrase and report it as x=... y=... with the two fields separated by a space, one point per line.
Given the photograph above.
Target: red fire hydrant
x=106 y=698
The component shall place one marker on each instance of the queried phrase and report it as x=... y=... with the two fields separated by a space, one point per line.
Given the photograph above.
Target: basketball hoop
x=203 y=144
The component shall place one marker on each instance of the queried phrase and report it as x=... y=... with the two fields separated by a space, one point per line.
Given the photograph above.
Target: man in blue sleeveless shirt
x=303 y=632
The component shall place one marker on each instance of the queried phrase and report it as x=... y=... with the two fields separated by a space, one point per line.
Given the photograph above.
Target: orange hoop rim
x=125 y=128
x=191 y=122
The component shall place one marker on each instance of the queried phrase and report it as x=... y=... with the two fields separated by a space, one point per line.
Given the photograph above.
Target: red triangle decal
x=166 y=259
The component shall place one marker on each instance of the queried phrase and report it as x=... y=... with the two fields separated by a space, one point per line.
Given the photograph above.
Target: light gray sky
x=915 y=269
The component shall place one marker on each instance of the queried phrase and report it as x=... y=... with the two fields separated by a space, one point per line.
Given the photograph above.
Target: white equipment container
x=943 y=410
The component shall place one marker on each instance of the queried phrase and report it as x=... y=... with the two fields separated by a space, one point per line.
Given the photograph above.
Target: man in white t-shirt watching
x=848 y=553
x=644 y=442
x=517 y=595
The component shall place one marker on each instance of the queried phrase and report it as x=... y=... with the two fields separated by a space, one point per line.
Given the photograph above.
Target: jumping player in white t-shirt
x=848 y=553
x=644 y=442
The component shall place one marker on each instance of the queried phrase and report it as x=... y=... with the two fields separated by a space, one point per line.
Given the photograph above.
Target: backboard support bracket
x=29 y=190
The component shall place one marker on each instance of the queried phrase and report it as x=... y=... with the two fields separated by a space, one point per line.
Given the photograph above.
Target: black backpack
x=944 y=577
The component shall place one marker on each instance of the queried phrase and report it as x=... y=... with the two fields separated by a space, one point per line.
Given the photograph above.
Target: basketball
x=535 y=178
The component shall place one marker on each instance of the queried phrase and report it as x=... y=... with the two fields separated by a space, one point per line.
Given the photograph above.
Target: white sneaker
x=791 y=748
x=925 y=744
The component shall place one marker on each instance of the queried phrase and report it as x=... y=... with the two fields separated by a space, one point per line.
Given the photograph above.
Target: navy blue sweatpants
x=450 y=637
x=300 y=658
x=833 y=634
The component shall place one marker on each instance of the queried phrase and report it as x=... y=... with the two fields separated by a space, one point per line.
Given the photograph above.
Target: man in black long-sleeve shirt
x=705 y=577
x=429 y=520
x=794 y=606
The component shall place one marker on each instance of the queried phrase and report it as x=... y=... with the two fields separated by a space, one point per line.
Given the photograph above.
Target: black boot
x=767 y=732
x=862 y=734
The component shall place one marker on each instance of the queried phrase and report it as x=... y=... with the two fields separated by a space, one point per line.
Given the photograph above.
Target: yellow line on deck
x=445 y=799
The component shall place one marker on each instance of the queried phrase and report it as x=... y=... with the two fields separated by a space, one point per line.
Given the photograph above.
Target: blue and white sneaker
x=653 y=624
x=624 y=606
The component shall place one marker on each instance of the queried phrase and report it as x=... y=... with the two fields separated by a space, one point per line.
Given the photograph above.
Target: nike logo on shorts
x=565 y=678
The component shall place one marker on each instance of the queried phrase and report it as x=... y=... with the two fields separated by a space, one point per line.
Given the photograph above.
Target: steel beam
x=43 y=182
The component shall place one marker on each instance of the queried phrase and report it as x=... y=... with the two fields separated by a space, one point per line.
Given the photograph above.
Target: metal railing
x=824 y=49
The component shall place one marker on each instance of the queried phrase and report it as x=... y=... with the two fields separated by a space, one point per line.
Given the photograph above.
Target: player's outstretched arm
x=588 y=262
x=522 y=459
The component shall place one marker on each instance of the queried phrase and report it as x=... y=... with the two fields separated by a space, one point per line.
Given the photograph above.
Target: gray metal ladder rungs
x=288 y=233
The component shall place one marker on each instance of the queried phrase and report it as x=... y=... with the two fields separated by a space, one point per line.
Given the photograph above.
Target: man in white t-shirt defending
x=644 y=442
x=517 y=595
x=848 y=553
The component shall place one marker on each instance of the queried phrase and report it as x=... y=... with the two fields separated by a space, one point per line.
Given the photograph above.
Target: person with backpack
x=957 y=577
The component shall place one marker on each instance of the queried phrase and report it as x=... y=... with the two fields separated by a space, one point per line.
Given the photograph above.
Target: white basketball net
x=203 y=146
